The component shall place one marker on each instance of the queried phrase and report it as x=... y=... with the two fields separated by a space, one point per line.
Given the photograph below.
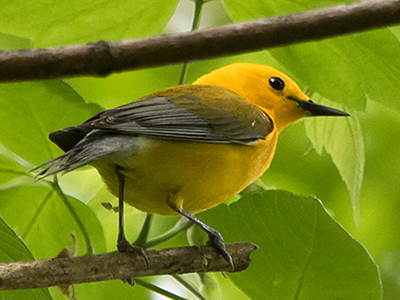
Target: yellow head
x=274 y=92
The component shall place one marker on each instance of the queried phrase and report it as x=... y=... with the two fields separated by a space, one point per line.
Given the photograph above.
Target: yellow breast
x=202 y=175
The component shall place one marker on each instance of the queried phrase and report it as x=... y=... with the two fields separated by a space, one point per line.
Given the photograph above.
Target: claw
x=131 y=281
x=216 y=241
x=124 y=246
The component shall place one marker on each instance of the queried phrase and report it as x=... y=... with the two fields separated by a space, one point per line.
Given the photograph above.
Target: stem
x=180 y=226
x=144 y=232
x=157 y=289
x=188 y=286
x=195 y=25
x=63 y=197
x=197 y=12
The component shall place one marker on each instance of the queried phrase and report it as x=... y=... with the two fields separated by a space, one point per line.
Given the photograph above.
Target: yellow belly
x=202 y=175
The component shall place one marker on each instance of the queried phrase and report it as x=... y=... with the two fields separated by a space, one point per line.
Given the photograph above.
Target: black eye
x=276 y=83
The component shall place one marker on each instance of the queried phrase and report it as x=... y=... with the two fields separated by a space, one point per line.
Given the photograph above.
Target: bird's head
x=271 y=90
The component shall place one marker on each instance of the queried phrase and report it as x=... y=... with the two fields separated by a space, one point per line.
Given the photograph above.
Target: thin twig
x=103 y=58
x=195 y=25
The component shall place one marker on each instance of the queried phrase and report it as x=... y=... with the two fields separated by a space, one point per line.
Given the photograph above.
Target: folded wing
x=193 y=113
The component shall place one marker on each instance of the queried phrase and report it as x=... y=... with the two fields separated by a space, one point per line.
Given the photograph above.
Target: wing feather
x=182 y=113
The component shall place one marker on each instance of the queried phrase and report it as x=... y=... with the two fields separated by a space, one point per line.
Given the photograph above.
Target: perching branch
x=111 y=266
x=103 y=58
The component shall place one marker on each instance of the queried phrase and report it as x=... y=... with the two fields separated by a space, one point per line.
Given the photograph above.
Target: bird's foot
x=124 y=246
x=216 y=241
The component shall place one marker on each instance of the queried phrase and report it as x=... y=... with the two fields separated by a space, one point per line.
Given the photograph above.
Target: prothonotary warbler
x=188 y=148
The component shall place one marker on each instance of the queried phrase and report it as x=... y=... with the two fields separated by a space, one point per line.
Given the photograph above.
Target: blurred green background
x=352 y=166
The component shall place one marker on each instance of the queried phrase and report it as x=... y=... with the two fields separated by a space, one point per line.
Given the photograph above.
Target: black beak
x=320 y=110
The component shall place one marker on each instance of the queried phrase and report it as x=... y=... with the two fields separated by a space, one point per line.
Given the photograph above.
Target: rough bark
x=111 y=266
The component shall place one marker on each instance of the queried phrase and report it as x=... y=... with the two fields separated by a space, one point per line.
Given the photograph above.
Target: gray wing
x=182 y=113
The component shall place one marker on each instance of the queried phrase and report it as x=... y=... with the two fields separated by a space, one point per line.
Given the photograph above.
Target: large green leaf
x=12 y=248
x=348 y=69
x=304 y=253
x=344 y=69
x=342 y=139
x=327 y=68
x=40 y=217
x=378 y=65
x=30 y=111
x=51 y=22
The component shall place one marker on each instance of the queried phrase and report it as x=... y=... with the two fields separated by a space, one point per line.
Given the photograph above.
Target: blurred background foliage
x=351 y=165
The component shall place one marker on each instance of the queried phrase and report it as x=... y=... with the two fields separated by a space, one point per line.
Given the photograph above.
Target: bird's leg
x=215 y=239
x=123 y=245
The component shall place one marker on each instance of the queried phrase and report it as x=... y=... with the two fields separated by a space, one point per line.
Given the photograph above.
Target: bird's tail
x=56 y=165
x=94 y=145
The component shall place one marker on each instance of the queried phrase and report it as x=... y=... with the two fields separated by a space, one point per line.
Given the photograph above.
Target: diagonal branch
x=103 y=58
x=111 y=266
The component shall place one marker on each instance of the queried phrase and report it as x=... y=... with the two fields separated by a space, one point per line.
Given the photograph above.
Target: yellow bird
x=188 y=148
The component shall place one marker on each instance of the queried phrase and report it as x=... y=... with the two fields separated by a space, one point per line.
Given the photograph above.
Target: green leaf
x=55 y=23
x=30 y=111
x=378 y=65
x=396 y=31
x=342 y=139
x=304 y=253
x=40 y=217
x=13 y=249
x=9 y=42
x=241 y=10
